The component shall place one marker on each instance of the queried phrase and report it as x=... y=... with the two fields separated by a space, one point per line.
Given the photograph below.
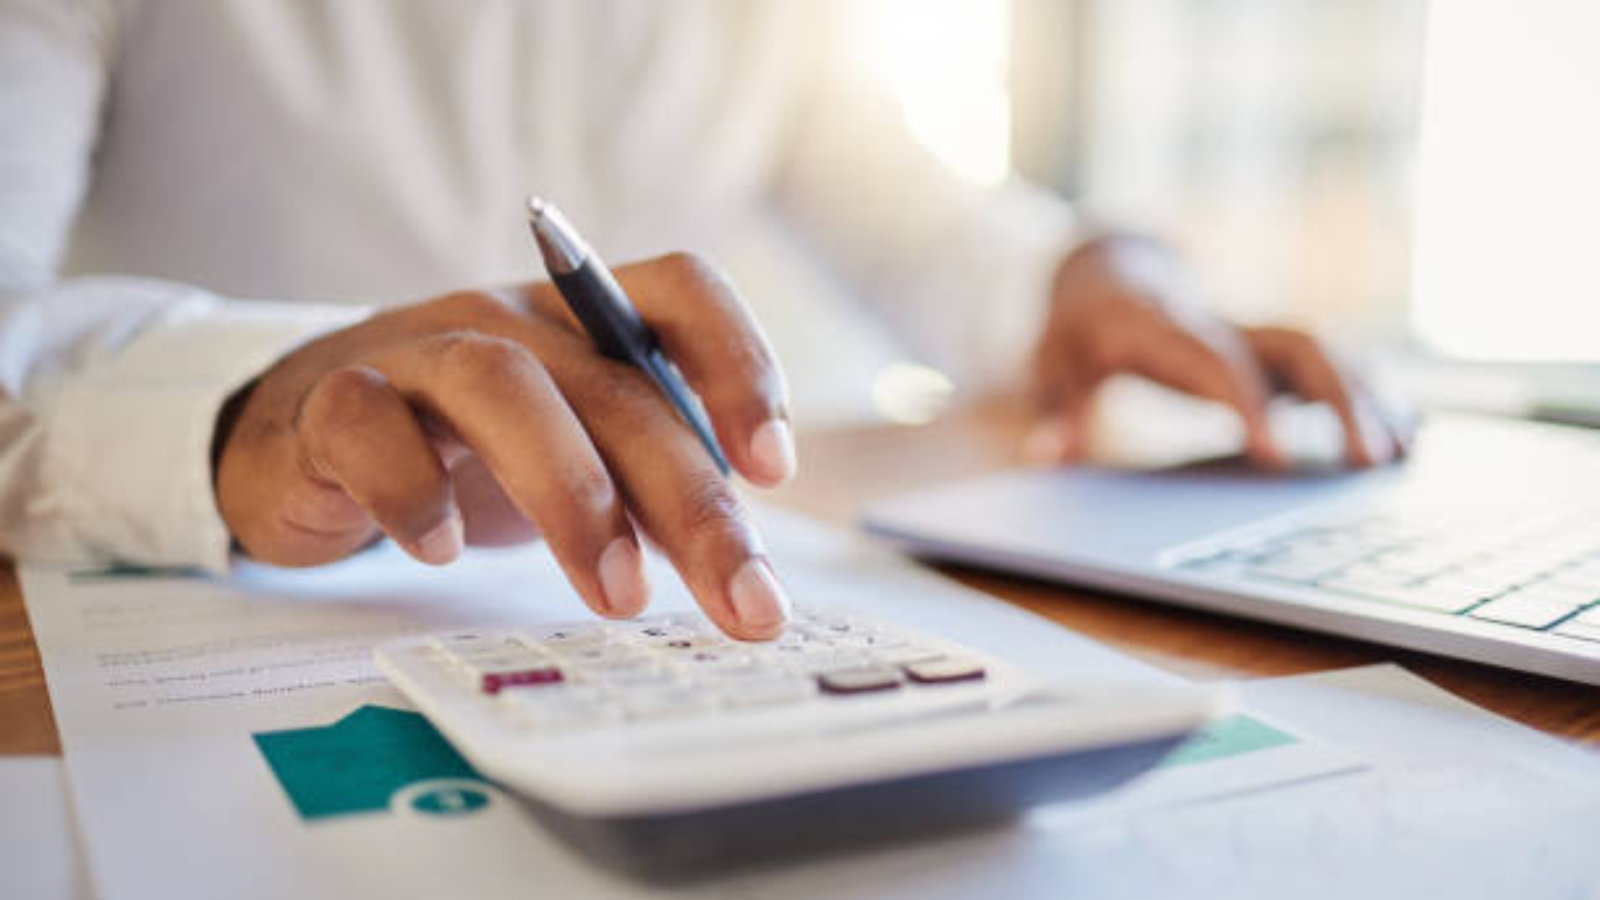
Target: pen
x=609 y=317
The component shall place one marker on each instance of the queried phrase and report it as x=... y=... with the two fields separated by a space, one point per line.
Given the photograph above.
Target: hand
x=421 y=420
x=1123 y=305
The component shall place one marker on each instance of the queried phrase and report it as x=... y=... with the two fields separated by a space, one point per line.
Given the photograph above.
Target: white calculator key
x=475 y=644
x=944 y=670
x=664 y=702
x=708 y=660
x=861 y=680
x=612 y=662
x=859 y=641
x=600 y=654
x=903 y=654
x=560 y=637
x=833 y=661
x=556 y=707
x=733 y=675
x=634 y=678
x=750 y=693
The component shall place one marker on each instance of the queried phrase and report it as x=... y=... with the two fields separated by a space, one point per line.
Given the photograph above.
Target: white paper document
x=39 y=854
x=1456 y=803
x=232 y=739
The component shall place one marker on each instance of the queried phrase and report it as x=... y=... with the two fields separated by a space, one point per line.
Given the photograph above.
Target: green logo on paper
x=450 y=801
x=357 y=764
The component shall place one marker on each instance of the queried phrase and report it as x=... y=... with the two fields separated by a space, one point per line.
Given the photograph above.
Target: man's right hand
x=372 y=429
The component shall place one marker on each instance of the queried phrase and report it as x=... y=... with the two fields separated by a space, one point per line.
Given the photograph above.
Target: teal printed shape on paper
x=128 y=571
x=1229 y=736
x=358 y=763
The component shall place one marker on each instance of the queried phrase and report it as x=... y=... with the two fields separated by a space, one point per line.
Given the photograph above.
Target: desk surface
x=841 y=470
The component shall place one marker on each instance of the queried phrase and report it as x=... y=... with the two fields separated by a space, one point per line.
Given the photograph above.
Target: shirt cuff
x=131 y=435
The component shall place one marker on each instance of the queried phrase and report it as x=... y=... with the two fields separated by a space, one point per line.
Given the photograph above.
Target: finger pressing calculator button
x=494 y=682
x=858 y=681
x=943 y=670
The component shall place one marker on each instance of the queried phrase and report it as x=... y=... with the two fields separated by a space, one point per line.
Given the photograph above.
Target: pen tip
x=536 y=206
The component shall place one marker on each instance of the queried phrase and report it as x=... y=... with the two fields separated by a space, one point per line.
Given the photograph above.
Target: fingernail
x=1375 y=439
x=772 y=449
x=758 y=600
x=1262 y=447
x=1045 y=444
x=622 y=577
x=443 y=544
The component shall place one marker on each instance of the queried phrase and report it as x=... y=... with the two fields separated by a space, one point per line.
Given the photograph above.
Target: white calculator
x=660 y=744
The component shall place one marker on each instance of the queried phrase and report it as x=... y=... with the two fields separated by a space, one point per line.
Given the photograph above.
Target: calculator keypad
x=676 y=666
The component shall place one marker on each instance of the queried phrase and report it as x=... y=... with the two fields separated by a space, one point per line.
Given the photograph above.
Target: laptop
x=1484 y=545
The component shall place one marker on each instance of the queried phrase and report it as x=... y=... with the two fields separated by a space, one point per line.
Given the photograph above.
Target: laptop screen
x=1507 y=183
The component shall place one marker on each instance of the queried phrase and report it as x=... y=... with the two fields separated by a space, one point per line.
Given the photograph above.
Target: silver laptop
x=1485 y=545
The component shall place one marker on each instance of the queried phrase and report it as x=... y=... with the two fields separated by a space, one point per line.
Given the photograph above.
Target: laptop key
x=1428 y=596
x=1584 y=626
x=1523 y=612
x=1555 y=593
x=1579 y=630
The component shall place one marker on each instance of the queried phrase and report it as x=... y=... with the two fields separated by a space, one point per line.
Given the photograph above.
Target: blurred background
x=1395 y=172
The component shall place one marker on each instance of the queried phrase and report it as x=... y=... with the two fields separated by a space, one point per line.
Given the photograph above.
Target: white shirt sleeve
x=109 y=386
x=961 y=271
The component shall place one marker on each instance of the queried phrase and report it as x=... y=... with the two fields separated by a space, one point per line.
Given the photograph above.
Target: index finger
x=714 y=340
x=1310 y=371
x=1180 y=359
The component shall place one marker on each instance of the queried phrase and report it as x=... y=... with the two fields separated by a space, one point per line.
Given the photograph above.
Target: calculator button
x=686 y=646
x=615 y=665
x=556 y=707
x=859 y=681
x=567 y=636
x=461 y=639
x=857 y=640
x=506 y=658
x=829 y=660
x=497 y=681
x=759 y=692
x=735 y=674
x=704 y=660
x=904 y=654
x=634 y=677
x=468 y=646
x=599 y=654
x=664 y=702
x=943 y=670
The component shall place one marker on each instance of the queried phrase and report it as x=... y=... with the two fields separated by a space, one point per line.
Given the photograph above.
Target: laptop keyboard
x=1531 y=570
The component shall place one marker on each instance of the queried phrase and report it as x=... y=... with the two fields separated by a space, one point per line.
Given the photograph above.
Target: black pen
x=608 y=315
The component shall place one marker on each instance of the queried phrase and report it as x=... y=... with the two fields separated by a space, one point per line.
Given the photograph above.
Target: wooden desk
x=842 y=470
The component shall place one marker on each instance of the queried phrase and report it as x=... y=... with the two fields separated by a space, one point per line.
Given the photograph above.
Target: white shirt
x=189 y=190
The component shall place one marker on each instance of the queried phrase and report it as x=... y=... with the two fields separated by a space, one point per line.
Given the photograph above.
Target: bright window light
x=1508 y=181
x=945 y=61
